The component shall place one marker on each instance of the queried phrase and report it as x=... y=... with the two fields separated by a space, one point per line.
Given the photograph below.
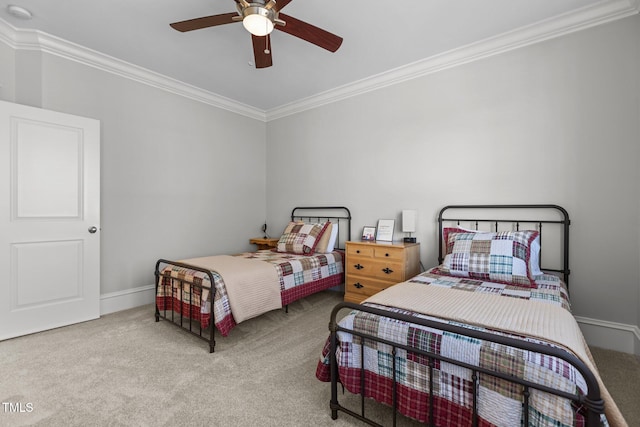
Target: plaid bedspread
x=550 y=289
x=300 y=276
x=499 y=402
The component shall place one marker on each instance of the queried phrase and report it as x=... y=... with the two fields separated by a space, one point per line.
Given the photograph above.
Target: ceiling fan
x=260 y=18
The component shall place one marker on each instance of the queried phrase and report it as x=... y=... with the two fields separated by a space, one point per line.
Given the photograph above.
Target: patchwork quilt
x=550 y=289
x=299 y=275
x=500 y=403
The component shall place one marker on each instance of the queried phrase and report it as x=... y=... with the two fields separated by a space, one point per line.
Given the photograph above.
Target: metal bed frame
x=315 y=214
x=592 y=401
x=340 y=214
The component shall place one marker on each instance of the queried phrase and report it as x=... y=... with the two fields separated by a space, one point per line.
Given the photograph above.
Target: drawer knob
x=357 y=251
x=358 y=266
x=358 y=285
x=387 y=270
x=386 y=254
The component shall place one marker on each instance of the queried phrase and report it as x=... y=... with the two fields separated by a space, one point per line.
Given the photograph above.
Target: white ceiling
x=379 y=38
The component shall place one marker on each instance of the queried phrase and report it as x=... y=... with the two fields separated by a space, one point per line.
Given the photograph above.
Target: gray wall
x=7 y=72
x=179 y=178
x=555 y=122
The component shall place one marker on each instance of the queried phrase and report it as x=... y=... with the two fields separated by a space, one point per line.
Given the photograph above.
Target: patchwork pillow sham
x=323 y=242
x=502 y=256
x=328 y=240
x=448 y=230
x=300 y=238
x=534 y=260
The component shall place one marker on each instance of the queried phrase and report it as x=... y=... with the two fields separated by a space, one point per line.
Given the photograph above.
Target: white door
x=49 y=219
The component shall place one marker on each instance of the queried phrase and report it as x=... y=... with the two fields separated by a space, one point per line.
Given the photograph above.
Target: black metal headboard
x=513 y=215
x=337 y=214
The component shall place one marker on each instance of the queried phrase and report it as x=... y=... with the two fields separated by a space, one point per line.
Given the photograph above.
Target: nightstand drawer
x=365 y=286
x=360 y=251
x=389 y=271
x=396 y=254
x=393 y=272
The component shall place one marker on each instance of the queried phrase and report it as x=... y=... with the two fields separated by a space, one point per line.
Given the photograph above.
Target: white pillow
x=534 y=259
x=332 y=238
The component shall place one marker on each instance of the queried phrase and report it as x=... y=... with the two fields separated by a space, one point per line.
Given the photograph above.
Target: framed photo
x=385 y=230
x=368 y=233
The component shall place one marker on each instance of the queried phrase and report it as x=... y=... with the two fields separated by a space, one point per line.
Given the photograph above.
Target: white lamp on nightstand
x=409 y=224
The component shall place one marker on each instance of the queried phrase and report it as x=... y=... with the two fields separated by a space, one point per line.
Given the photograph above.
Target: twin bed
x=308 y=259
x=485 y=338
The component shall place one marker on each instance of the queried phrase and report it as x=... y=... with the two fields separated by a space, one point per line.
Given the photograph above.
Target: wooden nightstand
x=264 y=242
x=374 y=266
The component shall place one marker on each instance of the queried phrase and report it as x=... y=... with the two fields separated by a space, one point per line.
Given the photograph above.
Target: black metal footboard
x=591 y=402
x=180 y=318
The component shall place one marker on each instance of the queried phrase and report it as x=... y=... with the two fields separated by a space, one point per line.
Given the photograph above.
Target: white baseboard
x=610 y=335
x=124 y=300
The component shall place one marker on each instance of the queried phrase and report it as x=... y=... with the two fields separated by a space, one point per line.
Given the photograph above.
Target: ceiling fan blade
x=204 y=22
x=310 y=33
x=280 y=4
x=262 y=51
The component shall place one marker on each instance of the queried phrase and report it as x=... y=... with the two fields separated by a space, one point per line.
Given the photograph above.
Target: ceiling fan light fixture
x=258 y=20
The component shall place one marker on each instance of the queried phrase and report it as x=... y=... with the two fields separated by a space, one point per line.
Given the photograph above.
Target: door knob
x=92 y=229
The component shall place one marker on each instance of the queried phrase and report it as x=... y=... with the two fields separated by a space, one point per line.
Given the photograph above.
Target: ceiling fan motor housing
x=258 y=9
x=258 y=18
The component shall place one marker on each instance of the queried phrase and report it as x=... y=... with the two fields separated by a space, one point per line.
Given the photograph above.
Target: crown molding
x=580 y=19
x=34 y=40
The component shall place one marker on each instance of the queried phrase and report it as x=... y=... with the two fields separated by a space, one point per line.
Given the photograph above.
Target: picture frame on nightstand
x=385 y=230
x=368 y=233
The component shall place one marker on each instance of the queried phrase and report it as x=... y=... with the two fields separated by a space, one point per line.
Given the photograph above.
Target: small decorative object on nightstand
x=385 y=230
x=374 y=266
x=369 y=233
x=264 y=243
x=409 y=224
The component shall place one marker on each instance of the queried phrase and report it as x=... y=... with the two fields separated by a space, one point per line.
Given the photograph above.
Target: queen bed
x=485 y=338
x=308 y=258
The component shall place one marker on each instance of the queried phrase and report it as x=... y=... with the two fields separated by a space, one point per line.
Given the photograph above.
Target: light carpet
x=125 y=369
